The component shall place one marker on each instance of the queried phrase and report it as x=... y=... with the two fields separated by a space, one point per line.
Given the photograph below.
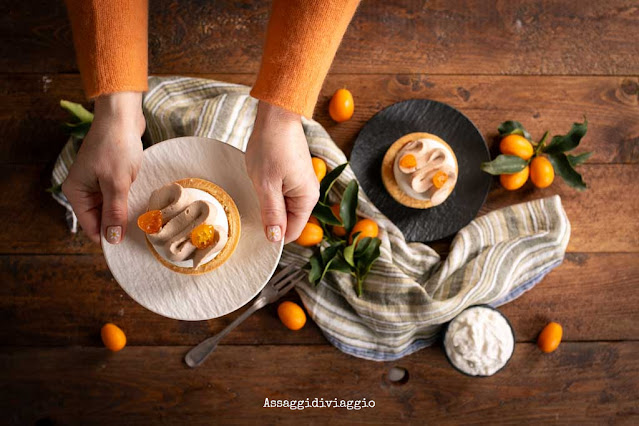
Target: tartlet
x=192 y=226
x=420 y=170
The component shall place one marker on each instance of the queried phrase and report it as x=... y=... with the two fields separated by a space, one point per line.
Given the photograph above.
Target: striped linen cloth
x=410 y=292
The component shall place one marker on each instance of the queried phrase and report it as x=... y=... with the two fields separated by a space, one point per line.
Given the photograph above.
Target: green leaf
x=348 y=206
x=504 y=164
x=338 y=264
x=54 y=189
x=325 y=215
x=315 y=274
x=369 y=255
x=569 y=141
x=78 y=130
x=77 y=111
x=365 y=263
x=362 y=245
x=329 y=253
x=329 y=180
x=562 y=167
x=513 y=128
x=576 y=160
x=349 y=251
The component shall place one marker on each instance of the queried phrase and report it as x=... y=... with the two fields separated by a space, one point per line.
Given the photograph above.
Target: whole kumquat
x=319 y=166
x=113 y=337
x=516 y=145
x=314 y=220
x=311 y=235
x=550 y=337
x=339 y=231
x=515 y=180
x=541 y=172
x=366 y=228
x=291 y=315
x=341 y=106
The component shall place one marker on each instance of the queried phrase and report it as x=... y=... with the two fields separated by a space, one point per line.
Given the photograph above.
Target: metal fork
x=277 y=287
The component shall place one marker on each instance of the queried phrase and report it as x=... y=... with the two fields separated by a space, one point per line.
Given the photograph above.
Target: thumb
x=273 y=212
x=114 y=209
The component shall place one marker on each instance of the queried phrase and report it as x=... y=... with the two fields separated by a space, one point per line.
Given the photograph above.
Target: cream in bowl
x=479 y=342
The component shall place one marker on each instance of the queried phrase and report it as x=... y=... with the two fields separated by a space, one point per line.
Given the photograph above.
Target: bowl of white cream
x=479 y=342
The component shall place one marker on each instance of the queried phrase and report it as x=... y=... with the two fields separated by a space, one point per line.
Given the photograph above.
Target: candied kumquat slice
x=408 y=161
x=439 y=179
x=203 y=236
x=150 y=222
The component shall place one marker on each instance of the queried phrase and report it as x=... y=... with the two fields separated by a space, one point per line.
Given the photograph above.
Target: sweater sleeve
x=301 y=41
x=111 y=42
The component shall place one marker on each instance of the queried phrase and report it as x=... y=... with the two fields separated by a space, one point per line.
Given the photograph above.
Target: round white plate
x=194 y=297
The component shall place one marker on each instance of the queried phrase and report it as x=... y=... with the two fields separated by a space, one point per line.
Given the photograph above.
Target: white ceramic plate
x=194 y=297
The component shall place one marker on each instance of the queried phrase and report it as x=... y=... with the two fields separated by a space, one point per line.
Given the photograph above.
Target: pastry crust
x=233 y=216
x=388 y=176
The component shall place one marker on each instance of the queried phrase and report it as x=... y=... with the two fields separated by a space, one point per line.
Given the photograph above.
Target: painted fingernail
x=274 y=233
x=114 y=234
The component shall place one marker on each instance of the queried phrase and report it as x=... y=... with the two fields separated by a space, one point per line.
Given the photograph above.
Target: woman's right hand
x=107 y=163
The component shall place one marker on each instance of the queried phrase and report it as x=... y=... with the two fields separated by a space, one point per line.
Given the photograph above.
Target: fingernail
x=114 y=234
x=274 y=233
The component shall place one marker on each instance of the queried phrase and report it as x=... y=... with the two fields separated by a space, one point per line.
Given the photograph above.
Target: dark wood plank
x=581 y=383
x=603 y=217
x=592 y=295
x=446 y=37
x=30 y=116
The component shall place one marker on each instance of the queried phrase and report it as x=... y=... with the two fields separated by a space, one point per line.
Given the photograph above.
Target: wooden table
x=545 y=63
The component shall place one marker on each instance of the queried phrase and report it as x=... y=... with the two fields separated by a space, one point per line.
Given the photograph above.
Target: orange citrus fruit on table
x=550 y=337
x=319 y=166
x=541 y=172
x=291 y=315
x=515 y=180
x=113 y=337
x=311 y=235
x=516 y=145
x=341 y=106
x=339 y=231
x=366 y=228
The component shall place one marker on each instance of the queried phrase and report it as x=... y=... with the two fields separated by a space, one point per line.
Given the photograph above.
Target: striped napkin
x=410 y=292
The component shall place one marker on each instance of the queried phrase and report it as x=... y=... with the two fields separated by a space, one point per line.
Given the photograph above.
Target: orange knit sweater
x=303 y=35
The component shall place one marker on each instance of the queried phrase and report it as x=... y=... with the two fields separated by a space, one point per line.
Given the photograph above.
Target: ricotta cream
x=479 y=341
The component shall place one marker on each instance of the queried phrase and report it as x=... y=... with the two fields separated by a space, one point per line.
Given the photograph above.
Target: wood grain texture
x=566 y=37
x=602 y=219
x=30 y=116
x=580 y=383
x=580 y=294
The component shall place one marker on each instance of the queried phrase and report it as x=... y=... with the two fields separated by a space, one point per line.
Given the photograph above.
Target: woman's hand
x=279 y=164
x=107 y=163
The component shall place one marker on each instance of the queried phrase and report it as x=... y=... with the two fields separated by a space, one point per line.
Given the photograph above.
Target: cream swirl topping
x=183 y=210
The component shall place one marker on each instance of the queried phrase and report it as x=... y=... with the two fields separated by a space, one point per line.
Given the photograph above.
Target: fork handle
x=198 y=354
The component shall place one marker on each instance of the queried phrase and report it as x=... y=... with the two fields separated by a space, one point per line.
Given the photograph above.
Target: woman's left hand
x=279 y=164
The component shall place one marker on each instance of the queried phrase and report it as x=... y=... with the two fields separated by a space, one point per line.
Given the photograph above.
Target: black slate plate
x=423 y=115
